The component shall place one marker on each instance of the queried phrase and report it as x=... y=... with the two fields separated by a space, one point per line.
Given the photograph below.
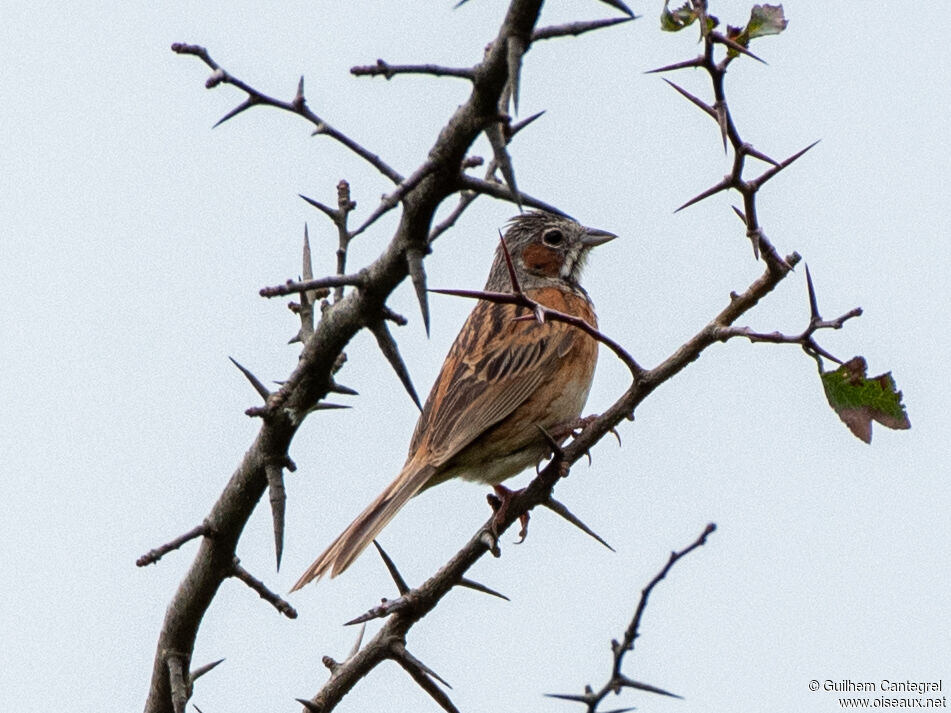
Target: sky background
x=134 y=239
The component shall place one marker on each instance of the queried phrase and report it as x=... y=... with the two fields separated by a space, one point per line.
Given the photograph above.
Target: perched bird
x=502 y=379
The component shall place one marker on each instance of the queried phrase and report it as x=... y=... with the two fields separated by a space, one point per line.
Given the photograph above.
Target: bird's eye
x=553 y=237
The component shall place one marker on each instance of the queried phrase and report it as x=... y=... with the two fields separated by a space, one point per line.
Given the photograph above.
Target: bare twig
x=239 y=572
x=617 y=680
x=385 y=69
x=292 y=287
x=298 y=105
x=153 y=556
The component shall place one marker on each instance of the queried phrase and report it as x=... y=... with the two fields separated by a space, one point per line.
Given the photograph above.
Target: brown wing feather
x=495 y=365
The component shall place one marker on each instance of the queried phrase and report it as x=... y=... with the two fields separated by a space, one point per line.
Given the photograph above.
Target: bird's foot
x=500 y=503
x=571 y=428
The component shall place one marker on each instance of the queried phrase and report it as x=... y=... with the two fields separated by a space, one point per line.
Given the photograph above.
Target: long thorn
x=325 y=209
x=255 y=382
x=735 y=46
x=429 y=686
x=356 y=645
x=617 y=4
x=721 y=186
x=202 y=670
x=525 y=122
x=559 y=509
x=401 y=585
x=629 y=683
x=756 y=183
x=246 y=104
x=516 y=287
x=497 y=140
x=813 y=301
x=515 y=50
x=392 y=353
x=479 y=587
x=690 y=97
x=687 y=64
x=414 y=263
x=277 y=496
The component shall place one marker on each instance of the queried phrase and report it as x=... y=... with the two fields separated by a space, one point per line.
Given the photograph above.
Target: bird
x=507 y=383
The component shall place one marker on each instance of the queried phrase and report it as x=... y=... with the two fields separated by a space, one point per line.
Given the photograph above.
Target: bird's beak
x=594 y=237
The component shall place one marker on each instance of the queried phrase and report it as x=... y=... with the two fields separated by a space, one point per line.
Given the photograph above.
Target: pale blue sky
x=133 y=240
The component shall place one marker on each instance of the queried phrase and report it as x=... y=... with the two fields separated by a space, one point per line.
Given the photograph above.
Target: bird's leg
x=500 y=503
x=571 y=428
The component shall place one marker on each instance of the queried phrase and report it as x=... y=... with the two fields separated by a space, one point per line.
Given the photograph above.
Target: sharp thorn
x=799 y=153
x=618 y=437
x=414 y=263
x=629 y=683
x=722 y=117
x=307 y=265
x=392 y=353
x=408 y=658
x=255 y=382
x=568 y=697
x=401 y=585
x=618 y=5
x=470 y=584
x=721 y=186
x=513 y=277
x=277 y=496
x=495 y=135
x=246 y=104
x=756 y=183
x=688 y=64
x=552 y=443
x=202 y=670
x=690 y=97
x=325 y=209
x=358 y=642
x=559 y=509
x=525 y=122
x=760 y=155
x=735 y=46
x=813 y=301
x=325 y=406
x=515 y=50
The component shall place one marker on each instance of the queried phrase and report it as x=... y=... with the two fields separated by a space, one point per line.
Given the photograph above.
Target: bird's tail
x=368 y=524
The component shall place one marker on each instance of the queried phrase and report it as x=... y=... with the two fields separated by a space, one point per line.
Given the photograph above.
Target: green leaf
x=676 y=20
x=766 y=20
x=859 y=400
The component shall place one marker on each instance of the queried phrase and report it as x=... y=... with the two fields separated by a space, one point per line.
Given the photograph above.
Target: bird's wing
x=495 y=364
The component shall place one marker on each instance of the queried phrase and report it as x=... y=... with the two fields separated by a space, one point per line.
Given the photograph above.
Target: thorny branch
x=413 y=605
x=494 y=86
x=297 y=396
x=719 y=111
x=619 y=649
x=297 y=105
